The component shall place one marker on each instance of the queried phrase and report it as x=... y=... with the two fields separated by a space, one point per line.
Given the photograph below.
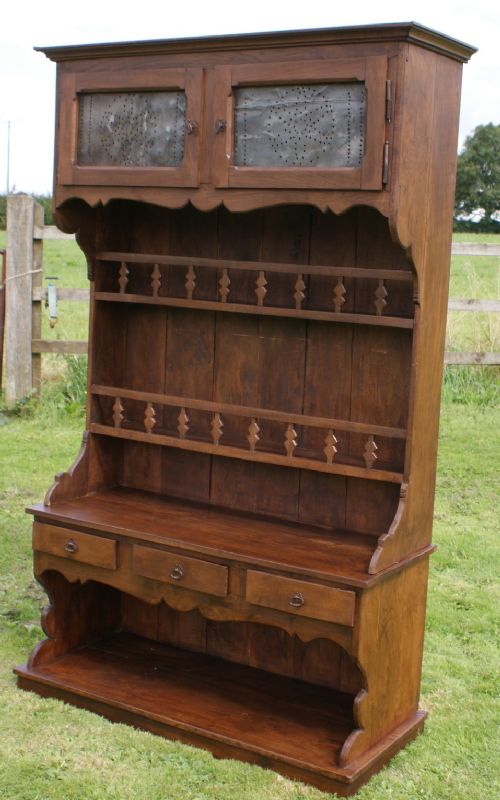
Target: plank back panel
x=189 y=361
x=145 y=343
x=295 y=366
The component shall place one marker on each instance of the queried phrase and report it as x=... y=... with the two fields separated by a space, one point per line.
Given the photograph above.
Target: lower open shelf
x=233 y=703
x=233 y=710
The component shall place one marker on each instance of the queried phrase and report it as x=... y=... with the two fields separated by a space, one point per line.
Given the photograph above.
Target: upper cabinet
x=130 y=128
x=320 y=124
x=254 y=120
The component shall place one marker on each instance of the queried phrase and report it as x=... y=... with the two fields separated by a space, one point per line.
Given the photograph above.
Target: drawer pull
x=297 y=600
x=177 y=572
x=71 y=546
x=191 y=127
x=220 y=125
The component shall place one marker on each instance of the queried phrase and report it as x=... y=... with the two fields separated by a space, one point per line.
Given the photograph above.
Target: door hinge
x=385 y=168
x=388 y=101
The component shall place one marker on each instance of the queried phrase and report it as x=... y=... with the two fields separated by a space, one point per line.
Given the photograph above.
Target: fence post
x=23 y=263
x=36 y=306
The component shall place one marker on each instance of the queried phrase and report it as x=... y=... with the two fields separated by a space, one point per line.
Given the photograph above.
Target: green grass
x=478 y=238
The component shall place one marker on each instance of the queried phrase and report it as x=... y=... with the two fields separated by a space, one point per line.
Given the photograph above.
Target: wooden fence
x=25 y=294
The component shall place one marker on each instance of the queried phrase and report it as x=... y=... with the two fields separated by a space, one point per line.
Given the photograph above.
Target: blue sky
x=27 y=79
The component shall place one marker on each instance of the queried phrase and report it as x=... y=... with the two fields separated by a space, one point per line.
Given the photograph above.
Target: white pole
x=8 y=158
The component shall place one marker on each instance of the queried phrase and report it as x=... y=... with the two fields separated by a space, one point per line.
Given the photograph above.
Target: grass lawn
x=50 y=751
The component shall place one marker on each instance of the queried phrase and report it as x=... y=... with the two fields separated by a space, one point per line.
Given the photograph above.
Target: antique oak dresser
x=238 y=556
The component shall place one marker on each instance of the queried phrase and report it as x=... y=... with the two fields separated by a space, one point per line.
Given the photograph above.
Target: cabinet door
x=310 y=124
x=130 y=128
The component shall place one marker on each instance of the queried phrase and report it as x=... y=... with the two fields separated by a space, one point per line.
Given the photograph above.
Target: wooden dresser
x=238 y=557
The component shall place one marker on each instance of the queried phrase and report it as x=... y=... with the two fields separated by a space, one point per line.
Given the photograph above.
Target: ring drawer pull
x=297 y=600
x=177 y=572
x=71 y=546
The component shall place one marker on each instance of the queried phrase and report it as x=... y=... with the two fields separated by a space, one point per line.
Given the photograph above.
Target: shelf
x=258 y=266
x=185 y=694
x=295 y=462
x=248 y=411
x=291 y=455
x=340 y=556
x=244 y=308
x=222 y=297
x=233 y=710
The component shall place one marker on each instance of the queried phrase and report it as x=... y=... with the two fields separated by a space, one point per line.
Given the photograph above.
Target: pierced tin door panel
x=301 y=125
x=315 y=125
x=131 y=129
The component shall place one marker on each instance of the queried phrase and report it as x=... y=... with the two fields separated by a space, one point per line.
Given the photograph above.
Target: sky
x=27 y=79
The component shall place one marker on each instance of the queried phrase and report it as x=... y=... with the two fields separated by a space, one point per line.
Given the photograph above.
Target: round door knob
x=297 y=600
x=71 y=546
x=177 y=572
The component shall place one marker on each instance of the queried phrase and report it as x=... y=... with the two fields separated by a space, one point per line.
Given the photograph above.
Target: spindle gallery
x=238 y=557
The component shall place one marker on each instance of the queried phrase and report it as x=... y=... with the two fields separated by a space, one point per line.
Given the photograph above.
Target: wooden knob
x=71 y=546
x=177 y=572
x=297 y=600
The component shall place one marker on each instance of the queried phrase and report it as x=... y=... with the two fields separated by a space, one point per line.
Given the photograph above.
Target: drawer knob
x=297 y=600
x=177 y=572
x=71 y=546
x=191 y=126
x=220 y=125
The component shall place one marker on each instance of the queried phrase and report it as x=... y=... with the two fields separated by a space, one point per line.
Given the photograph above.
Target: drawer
x=191 y=573
x=77 y=546
x=300 y=597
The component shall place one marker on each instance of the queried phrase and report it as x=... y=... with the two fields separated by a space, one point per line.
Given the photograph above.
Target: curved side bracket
x=73 y=483
x=87 y=612
x=75 y=216
x=382 y=557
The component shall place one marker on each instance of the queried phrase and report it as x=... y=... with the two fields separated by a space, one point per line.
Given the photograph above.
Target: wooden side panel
x=429 y=140
x=389 y=649
x=380 y=378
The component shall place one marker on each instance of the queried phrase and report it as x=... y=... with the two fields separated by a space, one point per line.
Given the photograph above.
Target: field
x=49 y=751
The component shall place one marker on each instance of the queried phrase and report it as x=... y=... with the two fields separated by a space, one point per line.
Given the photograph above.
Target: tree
x=477 y=200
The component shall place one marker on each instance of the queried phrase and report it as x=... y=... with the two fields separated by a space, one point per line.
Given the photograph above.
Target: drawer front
x=77 y=546
x=300 y=597
x=191 y=573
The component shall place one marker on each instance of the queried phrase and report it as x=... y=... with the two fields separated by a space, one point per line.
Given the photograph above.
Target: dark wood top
x=339 y=556
x=398 y=31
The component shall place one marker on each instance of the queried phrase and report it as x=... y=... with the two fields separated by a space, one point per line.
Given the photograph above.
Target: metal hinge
x=385 y=168
x=388 y=101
